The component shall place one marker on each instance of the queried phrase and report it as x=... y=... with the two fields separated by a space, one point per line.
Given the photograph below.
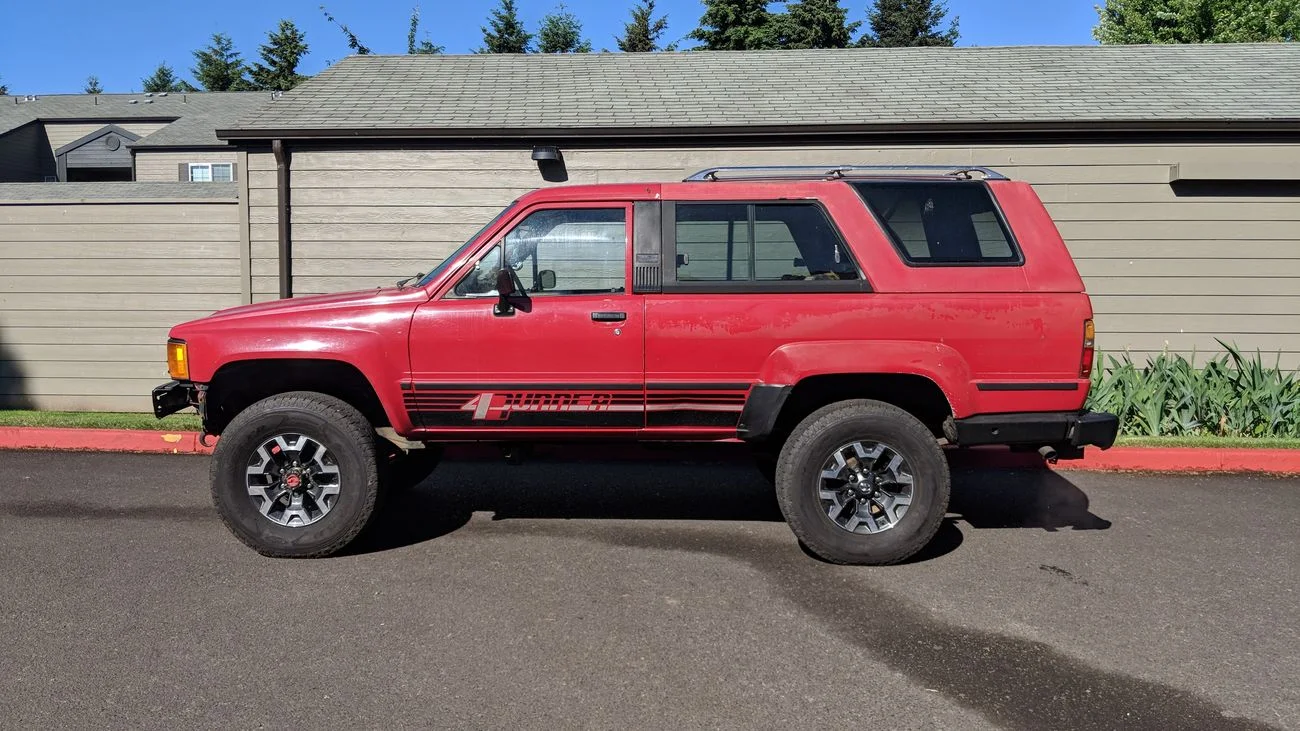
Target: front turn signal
x=178 y=360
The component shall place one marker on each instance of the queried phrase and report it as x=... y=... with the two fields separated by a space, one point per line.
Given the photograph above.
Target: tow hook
x=203 y=439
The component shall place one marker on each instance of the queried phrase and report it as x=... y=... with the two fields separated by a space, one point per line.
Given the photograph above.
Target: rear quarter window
x=942 y=223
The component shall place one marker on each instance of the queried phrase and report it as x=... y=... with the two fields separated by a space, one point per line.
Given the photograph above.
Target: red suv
x=844 y=321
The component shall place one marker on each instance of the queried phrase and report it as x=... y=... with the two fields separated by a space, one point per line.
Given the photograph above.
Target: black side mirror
x=546 y=279
x=511 y=295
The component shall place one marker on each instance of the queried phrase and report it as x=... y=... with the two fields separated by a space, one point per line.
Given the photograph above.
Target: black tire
x=406 y=470
x=336 y=425
x=817 y=438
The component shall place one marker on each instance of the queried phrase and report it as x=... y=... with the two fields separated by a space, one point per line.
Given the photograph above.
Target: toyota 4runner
x=845 y=322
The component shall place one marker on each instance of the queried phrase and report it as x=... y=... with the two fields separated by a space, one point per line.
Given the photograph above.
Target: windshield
x=442 y=267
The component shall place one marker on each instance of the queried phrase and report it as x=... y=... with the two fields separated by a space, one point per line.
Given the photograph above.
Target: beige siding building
x=1172 y=172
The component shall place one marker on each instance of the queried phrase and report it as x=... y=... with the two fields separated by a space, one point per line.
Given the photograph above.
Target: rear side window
x=759 y=242
x=948 y=223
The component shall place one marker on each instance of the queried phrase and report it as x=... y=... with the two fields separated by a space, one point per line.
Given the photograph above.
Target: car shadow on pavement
x=701 y=486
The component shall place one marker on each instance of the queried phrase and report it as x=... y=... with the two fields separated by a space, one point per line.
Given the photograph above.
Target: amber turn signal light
x=178 y=360
x=1089 y=348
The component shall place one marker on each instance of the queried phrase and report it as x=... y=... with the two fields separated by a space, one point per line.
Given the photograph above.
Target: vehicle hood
x=366 y=298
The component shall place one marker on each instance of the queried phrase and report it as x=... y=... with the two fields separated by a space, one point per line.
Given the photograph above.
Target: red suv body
x=711 y=309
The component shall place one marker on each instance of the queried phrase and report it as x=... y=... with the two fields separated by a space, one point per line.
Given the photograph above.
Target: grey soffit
x=202 y=112
x=117 y=192
x=752 y=91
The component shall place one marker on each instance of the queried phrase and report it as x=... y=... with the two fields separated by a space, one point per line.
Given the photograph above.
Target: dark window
x=941 y=223
x=759 y=242
x=558 y=251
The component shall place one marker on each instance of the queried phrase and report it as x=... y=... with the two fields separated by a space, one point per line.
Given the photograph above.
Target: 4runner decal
x=602 y=406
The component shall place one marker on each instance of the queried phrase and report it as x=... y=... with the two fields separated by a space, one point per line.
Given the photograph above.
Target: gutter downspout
x=284 y=227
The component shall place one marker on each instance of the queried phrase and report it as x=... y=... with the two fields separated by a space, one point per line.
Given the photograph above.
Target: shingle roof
x=73 y=192
x=197 y=114
x=429 y=95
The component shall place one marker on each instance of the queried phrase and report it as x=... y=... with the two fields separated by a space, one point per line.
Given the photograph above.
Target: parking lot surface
x=647 y=594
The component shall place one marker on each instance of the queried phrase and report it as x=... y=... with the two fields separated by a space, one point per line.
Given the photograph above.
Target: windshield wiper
x=402 y=283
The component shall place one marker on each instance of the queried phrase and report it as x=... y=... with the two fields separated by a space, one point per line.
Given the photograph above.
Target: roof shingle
x=867 y=87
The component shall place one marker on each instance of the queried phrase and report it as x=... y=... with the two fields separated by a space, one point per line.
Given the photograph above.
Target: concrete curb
x=101 y=440
x=1118 y=459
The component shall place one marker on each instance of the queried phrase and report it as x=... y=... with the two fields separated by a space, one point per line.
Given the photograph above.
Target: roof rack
x=835 y=172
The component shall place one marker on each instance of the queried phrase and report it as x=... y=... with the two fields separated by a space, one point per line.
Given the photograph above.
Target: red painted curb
x=1118 y=459
x=101 y=440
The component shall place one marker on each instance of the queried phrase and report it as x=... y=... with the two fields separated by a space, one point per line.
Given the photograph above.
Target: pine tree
x=164 y=78
x=420 y=48
x=898 y=23
x=561 y=32
x=3 y=90
x=736 y=25
x=505 y=32
x=815 y=24
x=353 y=42
x=219 y=66
x=92 y=85
x=281 y=55
x=1197 y=21
x=642 y=34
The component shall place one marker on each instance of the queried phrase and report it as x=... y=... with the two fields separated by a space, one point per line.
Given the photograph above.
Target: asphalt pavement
x=645 y=594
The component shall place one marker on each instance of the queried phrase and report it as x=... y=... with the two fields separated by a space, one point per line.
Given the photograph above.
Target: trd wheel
x=295 y=475
x=863 y=482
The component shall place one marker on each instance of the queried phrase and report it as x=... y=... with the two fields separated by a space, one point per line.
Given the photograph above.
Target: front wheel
x=863 y=482
x=295 y=475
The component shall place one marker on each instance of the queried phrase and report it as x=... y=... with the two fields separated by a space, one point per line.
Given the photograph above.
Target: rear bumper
x=175 y=396
x=1066 y=429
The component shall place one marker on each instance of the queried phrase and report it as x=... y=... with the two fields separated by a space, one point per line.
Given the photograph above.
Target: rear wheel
x=863 y=482
x=295 y=475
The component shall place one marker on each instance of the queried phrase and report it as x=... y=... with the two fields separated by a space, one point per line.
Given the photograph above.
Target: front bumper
x=1038 y=429
x=175 y=396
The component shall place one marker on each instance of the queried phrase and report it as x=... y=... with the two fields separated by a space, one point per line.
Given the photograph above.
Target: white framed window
x=212 y=172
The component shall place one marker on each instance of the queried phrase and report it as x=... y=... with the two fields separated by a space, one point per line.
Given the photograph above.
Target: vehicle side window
x=759 y=242
x=558 y=251
x=482 y=279
x=941 y=223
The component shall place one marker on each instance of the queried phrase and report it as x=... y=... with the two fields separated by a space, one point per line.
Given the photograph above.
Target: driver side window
x=557 y=251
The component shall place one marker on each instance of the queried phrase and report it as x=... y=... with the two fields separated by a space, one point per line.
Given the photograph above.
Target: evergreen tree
x=815 y=24
x=505 y=33
x=561 y=32
x=164 y=78
x=898 y=23
x=353 y=42
x=642 y=34
x=735 y=25
x=92 y=85
x=219 y=66
x=420 y=48
x=3 y=90
x=1197 y=21
x=281 y=55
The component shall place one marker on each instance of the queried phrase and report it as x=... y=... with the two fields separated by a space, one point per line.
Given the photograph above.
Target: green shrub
x=1231 y=395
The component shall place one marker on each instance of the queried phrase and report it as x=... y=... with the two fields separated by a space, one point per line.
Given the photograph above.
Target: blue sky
x=51 y=46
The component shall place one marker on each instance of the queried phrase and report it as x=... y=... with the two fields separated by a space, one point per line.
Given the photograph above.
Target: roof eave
x=768 y=131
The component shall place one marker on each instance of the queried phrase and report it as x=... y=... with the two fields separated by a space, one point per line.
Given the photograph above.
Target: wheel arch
x=238 y=384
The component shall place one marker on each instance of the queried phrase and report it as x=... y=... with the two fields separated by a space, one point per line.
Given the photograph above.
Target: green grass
x=1206 y=442
x=94 y=420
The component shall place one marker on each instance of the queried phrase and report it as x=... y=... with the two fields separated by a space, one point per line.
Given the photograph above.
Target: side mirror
x=510 y=295
x=546 y=279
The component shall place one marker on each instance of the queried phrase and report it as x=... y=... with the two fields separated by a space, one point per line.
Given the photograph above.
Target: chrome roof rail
x=835 y=172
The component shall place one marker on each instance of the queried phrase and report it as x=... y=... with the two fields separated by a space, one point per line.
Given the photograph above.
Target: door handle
x=608 y=316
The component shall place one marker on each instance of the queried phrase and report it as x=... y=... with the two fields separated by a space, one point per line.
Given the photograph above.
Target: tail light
x=1089 y=348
